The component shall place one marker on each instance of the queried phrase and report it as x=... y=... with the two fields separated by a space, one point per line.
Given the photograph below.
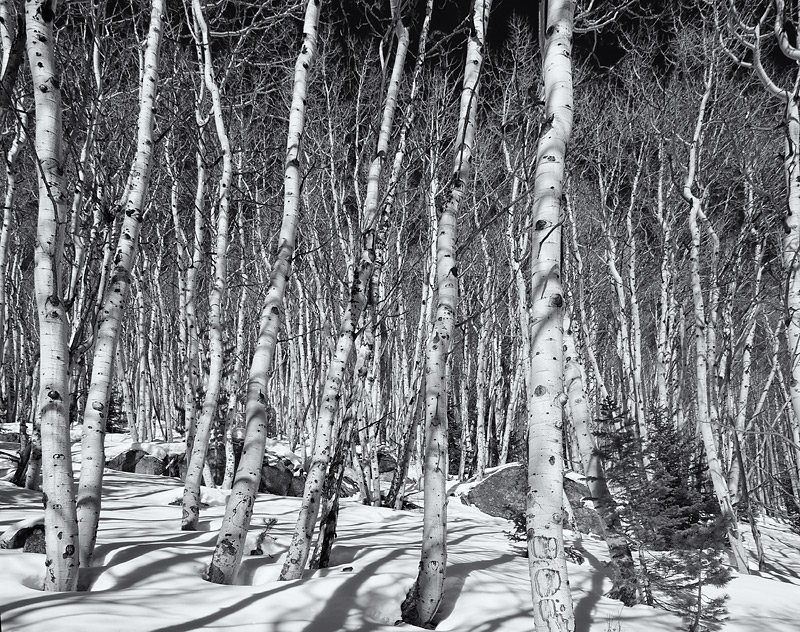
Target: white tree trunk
x=425 y=596
x=238 y=512
x=704 y=419
x=116 y=296
x=552 y=601
x=625 y=584
x=300 y=546
x=61 y=528
x=194 y=471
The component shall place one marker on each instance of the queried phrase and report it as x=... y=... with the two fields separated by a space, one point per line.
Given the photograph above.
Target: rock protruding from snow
x=502 y=494
x=279 y=478
x=137 y=461
x=387 y=463
x=279 y=475
x=153 y=449
x=275 y=479
x=27 y=535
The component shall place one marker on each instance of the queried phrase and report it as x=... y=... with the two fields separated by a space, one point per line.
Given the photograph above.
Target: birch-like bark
x=636 y=326
x=11 y=47
x=629 y=332
x=704 y=420
x=116 y=296
x=238 y=366
x=751 y=38
x=552 y=601
x=13 y=53
x=61 y=528
x=238 y=512
x=300 y=546
x=625 y=582
x=581 y=294
x=666 y=294
x=425 y=596
x=481 y=370
x=465 y=379
x=192 y=378
x=791 y=167
x=412 y=373
x=194 y=471
x=20 y=136
x=127 y=394
x=85 y=170
x=33 y=474
x=740 y=419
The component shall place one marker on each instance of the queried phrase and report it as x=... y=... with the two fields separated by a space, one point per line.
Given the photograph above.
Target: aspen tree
x=751 y=39
x=632 y=287
x=299 y=547
x=238 y=512
x=739 y=413
x=191 y=491
x=11 y=46
x=411 y=368
x=166 y=345
x=465 y=379
x=13 y=53
x=481 y=369
x=116 y=296
x=552 y=601
x=666 y=302
x=192 y=378
x=12 y=155
x=625 y=588
x=85 y=173
x=704 y=420
x=518 y=224
x=580 y=294
x=423 y=600
x=629 y=327
x=236 y=375
x=61 y=528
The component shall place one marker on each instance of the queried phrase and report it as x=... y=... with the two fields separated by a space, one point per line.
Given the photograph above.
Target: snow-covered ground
x=147 y=574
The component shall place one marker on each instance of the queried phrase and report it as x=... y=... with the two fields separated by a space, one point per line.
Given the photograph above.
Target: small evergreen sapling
x=671 y=516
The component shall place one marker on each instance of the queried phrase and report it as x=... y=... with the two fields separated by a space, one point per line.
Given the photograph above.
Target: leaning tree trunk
x=238 y=512
x=194 y=472
x=425 y=596
x=300 y=546
x=552 y=601
x=116 y=295
x=623 y=567
x=61 y=528
x=704 y=420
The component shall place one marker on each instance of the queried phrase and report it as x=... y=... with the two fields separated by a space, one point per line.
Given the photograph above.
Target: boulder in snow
x=297 y=486
x=386 y=462
x=502 y=494
x=137 y=461
x=275 y=479
x=27 y=535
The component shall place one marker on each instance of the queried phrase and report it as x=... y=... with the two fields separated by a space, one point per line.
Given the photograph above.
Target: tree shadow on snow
x=209 y=619
x=333 y=615
x=457 y=575
x=584 y=607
